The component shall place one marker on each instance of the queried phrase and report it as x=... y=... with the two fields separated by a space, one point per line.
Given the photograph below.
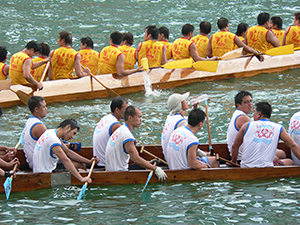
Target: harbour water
x=219 y=202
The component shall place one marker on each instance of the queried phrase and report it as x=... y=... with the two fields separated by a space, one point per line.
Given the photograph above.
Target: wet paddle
x=81 y=194
x=6 y=84
x=149 y=177
x=44 y=74
x=110 y=91
x=154 y=156
x=8 y=182
x=208 y=129
x=178 y=64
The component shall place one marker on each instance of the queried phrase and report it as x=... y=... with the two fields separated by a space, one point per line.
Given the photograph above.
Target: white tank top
x=101 y=135
x=116 y=156
x=260 y=143
x=170 y=125
x=44 y=160
x=28 y=140
x=294 y=132
x=181 y=140
x=233 y=131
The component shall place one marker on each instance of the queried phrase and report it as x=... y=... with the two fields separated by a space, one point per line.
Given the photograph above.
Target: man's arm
x=58 y=151
x=192 y=158
x=290 y=143
x=77 y=67
x=27 y=75
x=241 y=120
x=248 y=49
x=120 y=67
x=271 y=37
x=76 y=157
x=38 y=130
x=114 y=127
x=134 y=156
x=284 y=35
x=39 y=63
x=164 y=56
x=209 y=49
x=237 y=143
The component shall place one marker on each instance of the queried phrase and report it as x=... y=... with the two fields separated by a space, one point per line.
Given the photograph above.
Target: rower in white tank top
x=233 y=131
x=101 y=135
x=294 y=132
x=28 y=140
x=171 y=124
x=260 y=143
x=180 y=141
x=116 y=156
x=44 y=161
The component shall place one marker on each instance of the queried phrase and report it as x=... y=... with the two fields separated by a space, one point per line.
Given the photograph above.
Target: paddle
x=6 y=84
x=81 y=194
x=8 y=182
x=154 y=156
x=208 y=129
x=149 y=177
x=44 y=73
x=110 y=91
x=179 y=64
x=226 y=160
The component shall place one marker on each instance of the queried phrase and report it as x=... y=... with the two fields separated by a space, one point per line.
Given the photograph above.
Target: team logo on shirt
x=264 y=133
x=100 y=125
x=295 y=126
x=177 y=139
x=112 y=139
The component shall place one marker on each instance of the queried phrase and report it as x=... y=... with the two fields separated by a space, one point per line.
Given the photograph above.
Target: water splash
x=148 y=86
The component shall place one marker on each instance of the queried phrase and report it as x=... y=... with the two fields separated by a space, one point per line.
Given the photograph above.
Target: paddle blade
x=149 y=177
x=178 y=64
x=7 y=187
x=282 y=50
x=234 y=54
x=81 y=194
x=210 y=66
x=5 y=84
x=23 y=96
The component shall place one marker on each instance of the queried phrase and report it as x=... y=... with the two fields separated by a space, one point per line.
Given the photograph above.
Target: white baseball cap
x=174 y=102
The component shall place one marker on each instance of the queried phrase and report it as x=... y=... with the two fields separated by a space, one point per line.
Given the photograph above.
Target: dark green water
x=220 y=202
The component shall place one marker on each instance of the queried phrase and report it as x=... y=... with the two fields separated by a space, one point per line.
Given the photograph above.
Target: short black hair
x=117 y=102
x=67 y=36
x=3 y=53
x=242 y=27
x=88 y=41
x=222 y=23
x=264 y=108
x=128 y=37
x=205 y=27
x=262 y=18
x=45 y=49
x=278 y=21
x=196 y=116
x=33 y=44
x=72 y=122
x=165 y=31
x=129 y=111
x=152 y=29
x=187 y=28
x=34 y=101
x=297 y=16
x=239 y=97
x=116 y=37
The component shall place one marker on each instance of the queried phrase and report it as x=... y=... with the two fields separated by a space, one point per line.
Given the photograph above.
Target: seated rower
x=121 y=146
x=294 y=132
x=4 y=68
x=48 y=151
x=183 y=145
x=260 y=139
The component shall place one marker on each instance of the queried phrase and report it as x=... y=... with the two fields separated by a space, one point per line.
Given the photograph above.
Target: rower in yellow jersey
x=163 y=37
x=241 y=32
x=3 y=67
x=129 y=51
x=65 y=59
x=292 y=33
x=202 y=39
x=42 y=55
x=276 y=26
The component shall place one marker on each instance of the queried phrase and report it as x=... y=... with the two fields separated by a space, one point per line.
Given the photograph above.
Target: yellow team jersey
x=3 y=76
x=222 y=42
x=16 y=68
x=257 y=38
x=63 y=63
x=169 y=48
x=38 y=72
x=108 y=60
x=181 y=48
x=89 y=58
x=293 y=36
x=201 y=42
x=152 y=50
x=130 y=57
x=242 y=39
x=279 y=34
